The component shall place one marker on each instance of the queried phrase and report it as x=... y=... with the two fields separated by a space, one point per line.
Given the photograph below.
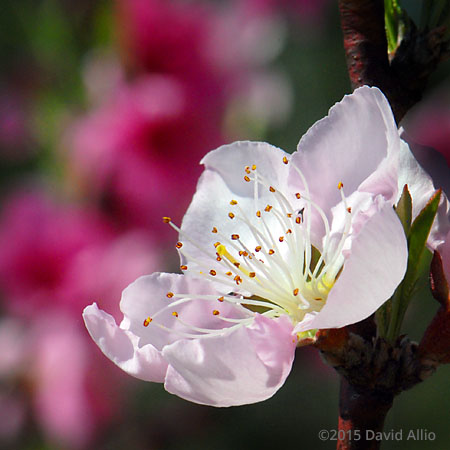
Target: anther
x=229 y=274
x=349 y=209
x=234 y=237
x=216 y=312
x=281 y=238
x=288 y=231
x=221 y=299
x=271 y=251
x=295 y=292
x=267 y=208
x=298 y=195
x=175 y=314
x=258 y=248
x=254 y=167
x=252 y=274
x=238 y=279
x=167 y=219
x=233 y=202
x=285 y=160
x=213 y=272
x=258 y=213
x=218 y=258
x=247 y=169
x=247 y=179
x=340 y=185
x=237 y=264
x=214 y=230
x=183 y=267
x=169 y=295
x=147 y=321
x=231 y=215
x=271 y=189
x=216 y=244
x=298 y=220
x=179 y=245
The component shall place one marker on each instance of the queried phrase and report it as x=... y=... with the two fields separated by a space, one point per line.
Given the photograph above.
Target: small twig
x=403 y=80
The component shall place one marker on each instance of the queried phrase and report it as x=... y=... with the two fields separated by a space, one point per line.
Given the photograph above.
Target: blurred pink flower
x=55 y=259
x=138 y=151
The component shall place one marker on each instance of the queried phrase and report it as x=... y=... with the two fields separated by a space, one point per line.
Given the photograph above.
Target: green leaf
x=404 y=209
x=418 y=256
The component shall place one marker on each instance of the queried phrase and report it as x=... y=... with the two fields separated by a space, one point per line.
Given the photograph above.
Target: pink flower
x=137 y=151
x=272 y=247
x=39 y=241
x=55 y=259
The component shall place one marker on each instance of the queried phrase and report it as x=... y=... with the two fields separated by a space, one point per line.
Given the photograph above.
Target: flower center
x=271 y=266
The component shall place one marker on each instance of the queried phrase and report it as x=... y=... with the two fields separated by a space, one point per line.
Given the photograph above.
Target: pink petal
x=374 y=268
x=247 y=366
x=121 y=346
x=353 y=145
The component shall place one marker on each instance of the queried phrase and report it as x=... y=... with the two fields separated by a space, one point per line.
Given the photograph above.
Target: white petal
x=121 y=346
x=421 y=188
x=148 y=295
x=356 y=144
x=246 y=366
x=223 y=181
x=374 y=268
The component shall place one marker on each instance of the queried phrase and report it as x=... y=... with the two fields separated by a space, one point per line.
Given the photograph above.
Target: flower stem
x=362 y=413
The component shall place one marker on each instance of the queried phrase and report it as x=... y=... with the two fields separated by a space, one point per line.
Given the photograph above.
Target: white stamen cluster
x=279 y=271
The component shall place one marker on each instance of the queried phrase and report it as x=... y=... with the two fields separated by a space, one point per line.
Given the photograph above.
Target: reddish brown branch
x=402 y=80
x=357 y=430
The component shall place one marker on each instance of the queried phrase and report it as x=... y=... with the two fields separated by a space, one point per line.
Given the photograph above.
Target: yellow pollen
x=147 y=321
x=271 y=251
x=214 y=230
x=233 y=202
x=221 y=299
x=298 y=195
x=254 y=167
x=258 y=248
x=216 y=312
x=258 y=213
x=213 y=272
x=179 y=245
x=217 y=244
x=340 y=185
x=183 y=267
x=298 y=220
x=234 y=237
x=285 y=160
x=175 y=314
x=288 y=231
x=218 y=258
x=271 y=189
x=223 y=252
x=289 y=215
x=167 y=219
x=169 y=295
x=229 y=274
x=268 y=208
x=231 y=215
x=295 y=291
x=247 y=169
x=247 y=179
x=252 y=274
x=281 y=238
x=238 y=279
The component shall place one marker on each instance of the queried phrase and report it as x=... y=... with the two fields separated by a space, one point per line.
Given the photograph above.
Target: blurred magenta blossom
x=190 y=66
x=56 y=258
x=136 y=152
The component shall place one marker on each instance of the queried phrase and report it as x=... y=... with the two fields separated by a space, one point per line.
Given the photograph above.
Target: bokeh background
x=106 y=108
